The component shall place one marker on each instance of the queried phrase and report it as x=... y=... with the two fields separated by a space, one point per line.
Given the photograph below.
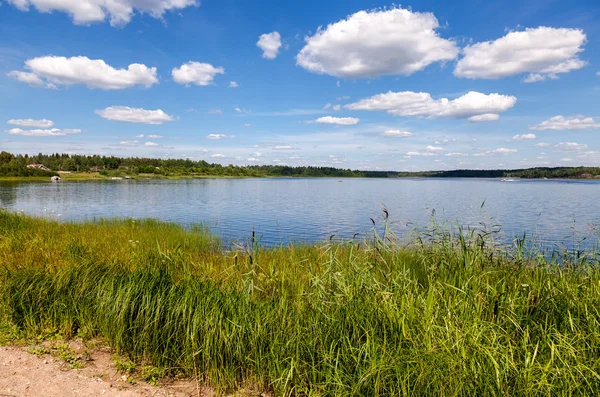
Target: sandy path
x=29 y=375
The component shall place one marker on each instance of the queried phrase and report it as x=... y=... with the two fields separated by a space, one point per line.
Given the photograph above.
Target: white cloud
x=43 y=123
x=566 y=159
x=197 y=73
x=327 y=106
x=544 y=52
x=118 y=12
x=94 y=73
x=421 y=104
x=571 y=146
x=134 y=115
x=429 y=151
x=217 y=156
x=42 y=132
x=129 y=143
x=215 y=111
x=435 y=149
x=282 y=147
x=484 y=117
x=218 y=136
x=337 y=120
x=247 y=125
x=253 y=159
x=269 y=43
x=542 y=144
x=151 y=144
x=496 y=152
x=455 y=154
x=241 y=110
x=27 y=78
x=410 y=154
x=337 y=107
x=155 y=136
x=523 y=137
x=397 y=134
x=139 y=136
x=558 y=123
x=233 y=84
x=366 y=44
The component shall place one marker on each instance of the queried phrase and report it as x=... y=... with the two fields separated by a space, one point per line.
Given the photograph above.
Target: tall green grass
x=444 y=315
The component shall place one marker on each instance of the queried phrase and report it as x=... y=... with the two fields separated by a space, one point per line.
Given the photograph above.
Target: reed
x=442 y=314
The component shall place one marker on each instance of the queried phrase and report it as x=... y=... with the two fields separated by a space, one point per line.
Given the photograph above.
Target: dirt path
x=28 y=375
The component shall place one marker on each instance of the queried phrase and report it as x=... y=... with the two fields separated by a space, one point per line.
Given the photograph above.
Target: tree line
x=16 y=165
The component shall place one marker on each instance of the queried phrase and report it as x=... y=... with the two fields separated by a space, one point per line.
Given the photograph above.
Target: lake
x=557 y=212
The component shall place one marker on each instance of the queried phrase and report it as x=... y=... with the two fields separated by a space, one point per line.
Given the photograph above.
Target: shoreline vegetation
x=78 y=167
x=442 y=314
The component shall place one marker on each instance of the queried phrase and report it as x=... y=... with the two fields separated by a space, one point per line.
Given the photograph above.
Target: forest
x=12 y=165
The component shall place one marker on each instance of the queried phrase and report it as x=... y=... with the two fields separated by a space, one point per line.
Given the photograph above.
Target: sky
x=367 y=85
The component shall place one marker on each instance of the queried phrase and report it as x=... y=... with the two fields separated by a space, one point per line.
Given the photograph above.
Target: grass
x=443 y=315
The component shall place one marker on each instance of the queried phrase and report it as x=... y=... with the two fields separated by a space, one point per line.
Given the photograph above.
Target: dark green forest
x=16 y=166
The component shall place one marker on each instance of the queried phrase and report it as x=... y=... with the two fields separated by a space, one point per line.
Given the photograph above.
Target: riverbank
x=439 y=316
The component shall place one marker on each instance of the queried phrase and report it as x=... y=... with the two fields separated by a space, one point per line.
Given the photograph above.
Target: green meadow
x=440 y=314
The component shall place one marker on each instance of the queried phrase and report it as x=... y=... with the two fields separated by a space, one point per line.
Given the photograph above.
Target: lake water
x=309 y=210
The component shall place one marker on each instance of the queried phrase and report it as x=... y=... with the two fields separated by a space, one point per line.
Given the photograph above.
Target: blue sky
x=353 y=84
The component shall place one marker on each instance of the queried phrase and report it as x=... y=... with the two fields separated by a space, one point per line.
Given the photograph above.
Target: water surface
x=299 y=209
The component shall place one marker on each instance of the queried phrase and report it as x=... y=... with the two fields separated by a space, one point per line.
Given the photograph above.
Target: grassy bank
x=441 y=316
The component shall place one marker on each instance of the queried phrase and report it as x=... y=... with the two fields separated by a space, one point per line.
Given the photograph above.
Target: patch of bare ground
x=59 y=369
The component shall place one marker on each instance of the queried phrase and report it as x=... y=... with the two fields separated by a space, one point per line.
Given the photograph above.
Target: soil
x=23 y=374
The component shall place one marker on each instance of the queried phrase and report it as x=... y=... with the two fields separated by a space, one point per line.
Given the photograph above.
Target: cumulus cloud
x=130 y=143
x=269 y=43
x=337 y=120
x=151 y=144
x=217 y=156
x=496 y=152
x=397 y=134
x=337 y=107
x=155 y=136
x=434 y=149
x=134 y=115
x=429 y=151
x=410 y=154
x=28 y=78
x=544 y=52
x=542 y=144
x=42 y=132
x=421 y=104
x=571 y=146
x=523 y=137
x=366 y=44
x=118 y=12
x=197 y=73
x=51 y=71
x=484 y=117
x=456 y=154
x=233 y=84
x=218 y=136
x=558 y=123
x=283 y=147
x=43 y=123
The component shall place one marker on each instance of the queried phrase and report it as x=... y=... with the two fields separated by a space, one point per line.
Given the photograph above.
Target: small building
x=38 y=167
x=96 y=168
